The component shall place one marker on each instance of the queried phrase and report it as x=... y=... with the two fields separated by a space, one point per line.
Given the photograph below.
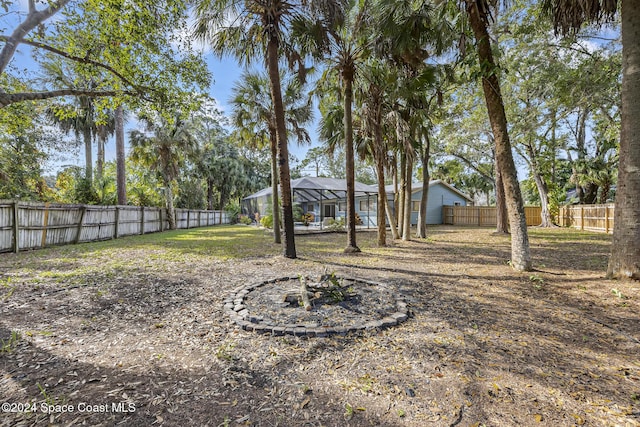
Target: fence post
x=161 y=220
x=582 y=217
x=141 y=219
x=16 y=227
x=606 y=219
x=117 y=224
x=83 y=210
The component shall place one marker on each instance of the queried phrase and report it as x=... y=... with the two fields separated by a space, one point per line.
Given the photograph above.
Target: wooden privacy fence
x=587 y=217
x=484 y=216
x=29 y=225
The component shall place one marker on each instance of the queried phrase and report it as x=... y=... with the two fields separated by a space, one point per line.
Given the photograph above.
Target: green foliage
x=267 y=221
x=336 y=225
x=191 y=194
x=25 y=145
x=84 y=192
x=245 y=220
x=73 y=187
x=7 y=346
x=119 y=48
x=233 y=209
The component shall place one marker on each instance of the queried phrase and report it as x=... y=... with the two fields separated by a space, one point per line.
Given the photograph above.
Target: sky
x=225 y=72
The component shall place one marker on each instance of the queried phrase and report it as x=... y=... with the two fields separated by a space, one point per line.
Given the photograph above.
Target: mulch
x=151 y=344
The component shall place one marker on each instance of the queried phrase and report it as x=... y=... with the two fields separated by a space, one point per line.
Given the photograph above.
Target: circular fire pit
x=315 y=308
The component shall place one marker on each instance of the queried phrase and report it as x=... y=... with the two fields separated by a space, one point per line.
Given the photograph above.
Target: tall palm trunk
x=625 y=251
x=396 y=194
x=171 y=211
x=275 y=204
x=401 y=194
x=100 y=160
x=347 y=78
x=520 y=255
x=88 y=154
x=406 y=221
x=382 y=194
x=283 y=149
x=121 y=179
x=421 y=231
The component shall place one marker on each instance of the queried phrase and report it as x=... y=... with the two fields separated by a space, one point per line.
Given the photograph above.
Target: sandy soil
x=129 y=337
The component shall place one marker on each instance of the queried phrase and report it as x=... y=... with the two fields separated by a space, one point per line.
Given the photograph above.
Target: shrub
x=243 y=219
x=267 y=221
x=336 y=224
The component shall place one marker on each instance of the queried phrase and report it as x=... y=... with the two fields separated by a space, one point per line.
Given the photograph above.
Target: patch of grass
x=225 y=352
x=7 y=346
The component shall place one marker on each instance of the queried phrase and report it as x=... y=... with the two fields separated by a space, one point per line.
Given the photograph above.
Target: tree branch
x=11 y=98
x=74 y=58
x=34 y=18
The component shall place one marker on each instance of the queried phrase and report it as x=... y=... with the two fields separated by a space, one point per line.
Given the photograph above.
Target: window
x=310 y=207
x=342 y=207
x=367 y=205
x=415 y=206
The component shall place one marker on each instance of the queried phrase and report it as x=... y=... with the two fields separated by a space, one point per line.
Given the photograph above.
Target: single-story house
x=440 y=194
x=326 y=198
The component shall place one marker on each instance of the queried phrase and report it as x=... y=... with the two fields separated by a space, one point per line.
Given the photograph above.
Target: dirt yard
x=133 y=332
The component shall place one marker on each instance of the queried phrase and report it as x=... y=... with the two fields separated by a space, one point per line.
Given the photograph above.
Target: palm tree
x=373 y=94
x=163 y=148
x=253 y=115
x=413 y=32
x=79 y=119
x=105 y=127
x=255 y=29
x=346 y=46
x=478 y=12
x=568 y=17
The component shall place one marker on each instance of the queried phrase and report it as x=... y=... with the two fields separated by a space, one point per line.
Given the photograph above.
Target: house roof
x=417 y=186
x=310 y=189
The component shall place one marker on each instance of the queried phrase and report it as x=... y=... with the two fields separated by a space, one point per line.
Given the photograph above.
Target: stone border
x=239 y=314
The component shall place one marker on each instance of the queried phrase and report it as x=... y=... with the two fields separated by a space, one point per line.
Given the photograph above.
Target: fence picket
x=588 y=217
x=484 y=216
x=33 y=225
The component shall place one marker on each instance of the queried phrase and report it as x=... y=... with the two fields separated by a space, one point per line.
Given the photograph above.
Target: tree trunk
x=396 y=193
x=502 y=226
x=520 y=255
x=580 y=142
x=210 y=194
x=543 y=192
x=541 y=185
x=275 y=204
x=625 y=250
x=283 y=149
x=401 y=198
x=100 y=160
x=121 y=177
x=88 y=154
x=421 y=232
x=33 y=20
x=347 y=77
x=171 y=212
x=406 y=221
x=392 y=220
x=382 y=194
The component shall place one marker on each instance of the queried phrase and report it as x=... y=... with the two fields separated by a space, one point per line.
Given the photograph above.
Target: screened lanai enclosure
x=322 y=198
